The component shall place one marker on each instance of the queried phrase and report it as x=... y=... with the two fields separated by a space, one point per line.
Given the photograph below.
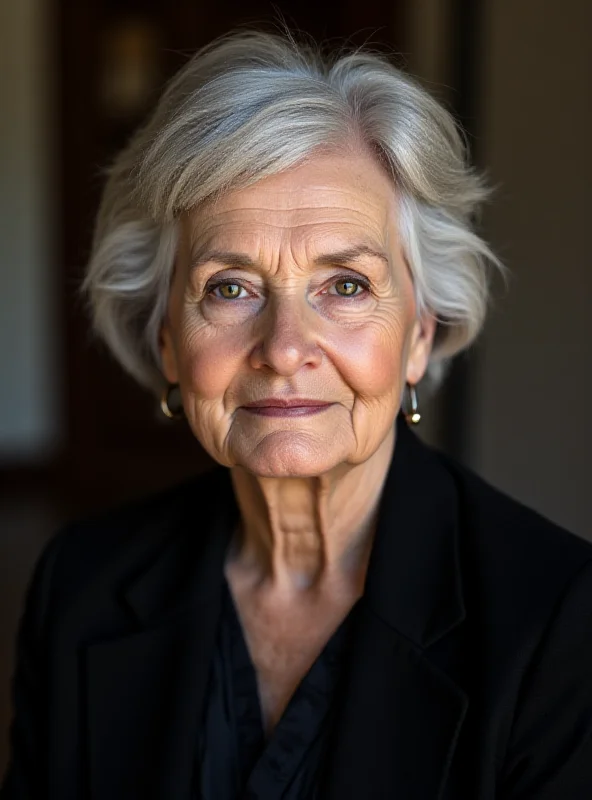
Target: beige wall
x=532 y=425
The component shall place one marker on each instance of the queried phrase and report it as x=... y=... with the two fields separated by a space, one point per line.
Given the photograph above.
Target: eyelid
x=354 y=277
x=213 y=284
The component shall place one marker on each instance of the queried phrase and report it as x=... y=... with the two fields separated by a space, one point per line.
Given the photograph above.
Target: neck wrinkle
x=304 y=533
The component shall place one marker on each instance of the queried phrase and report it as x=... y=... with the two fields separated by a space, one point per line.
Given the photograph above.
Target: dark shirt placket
x=237 y=762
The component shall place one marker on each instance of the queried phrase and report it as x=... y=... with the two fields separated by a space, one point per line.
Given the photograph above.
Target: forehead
x=335 y=196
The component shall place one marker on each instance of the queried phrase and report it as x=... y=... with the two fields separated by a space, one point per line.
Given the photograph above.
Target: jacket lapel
x=399 y=714
x=145 y=690
x=398 y=722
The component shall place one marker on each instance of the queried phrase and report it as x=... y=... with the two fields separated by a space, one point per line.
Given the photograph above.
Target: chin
x=284 y=455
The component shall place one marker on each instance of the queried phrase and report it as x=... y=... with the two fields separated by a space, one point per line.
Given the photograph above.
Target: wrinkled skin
x=289 y=332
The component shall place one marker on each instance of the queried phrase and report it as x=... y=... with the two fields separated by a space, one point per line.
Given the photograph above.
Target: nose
x=286 y=338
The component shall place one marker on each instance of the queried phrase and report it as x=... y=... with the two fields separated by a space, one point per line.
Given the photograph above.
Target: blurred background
x=77 y=435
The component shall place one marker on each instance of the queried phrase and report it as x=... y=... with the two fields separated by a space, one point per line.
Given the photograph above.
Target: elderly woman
x=336 y=611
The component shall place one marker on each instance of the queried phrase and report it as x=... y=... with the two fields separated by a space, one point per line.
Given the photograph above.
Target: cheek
x=370 y=357
x=209 y=361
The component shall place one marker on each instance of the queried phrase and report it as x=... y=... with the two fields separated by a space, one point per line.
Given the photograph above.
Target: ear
x=168 y=355
x=420 y=347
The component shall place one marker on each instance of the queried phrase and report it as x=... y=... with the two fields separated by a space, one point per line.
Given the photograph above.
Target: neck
x=302 y=534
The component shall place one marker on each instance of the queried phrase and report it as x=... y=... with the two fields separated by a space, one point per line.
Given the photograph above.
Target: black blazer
x=470 y=677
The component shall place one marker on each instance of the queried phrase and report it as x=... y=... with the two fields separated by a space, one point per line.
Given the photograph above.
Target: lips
x=279 y=407
x=276 y=402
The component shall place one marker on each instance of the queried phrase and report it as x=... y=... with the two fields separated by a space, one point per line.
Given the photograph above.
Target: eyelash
x=212 y=286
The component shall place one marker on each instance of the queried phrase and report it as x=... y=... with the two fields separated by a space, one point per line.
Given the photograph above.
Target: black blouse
x=237 y=762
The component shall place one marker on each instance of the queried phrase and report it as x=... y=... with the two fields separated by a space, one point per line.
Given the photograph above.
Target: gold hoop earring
x=165 y=406
x=412 y=415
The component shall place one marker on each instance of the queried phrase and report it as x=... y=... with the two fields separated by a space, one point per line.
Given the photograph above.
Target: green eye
x=347 y=288
x=229 y=291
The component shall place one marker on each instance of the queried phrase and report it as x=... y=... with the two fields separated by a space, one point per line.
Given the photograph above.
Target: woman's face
x=295 y=288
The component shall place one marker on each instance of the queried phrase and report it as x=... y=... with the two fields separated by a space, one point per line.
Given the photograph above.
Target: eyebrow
x=229 y=258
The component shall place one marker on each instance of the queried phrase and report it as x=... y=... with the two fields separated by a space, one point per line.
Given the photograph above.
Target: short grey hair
x=253 y=104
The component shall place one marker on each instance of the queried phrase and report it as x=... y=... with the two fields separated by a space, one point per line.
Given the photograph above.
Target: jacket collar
x=414 y=579
x=188 y=571
x=399 y=714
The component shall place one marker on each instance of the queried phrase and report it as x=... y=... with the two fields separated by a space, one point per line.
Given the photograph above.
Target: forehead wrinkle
x=292 y=190
x=351 y=246
x=260 y=230
x=212 y=218
x=290 y=209
x=349 y=255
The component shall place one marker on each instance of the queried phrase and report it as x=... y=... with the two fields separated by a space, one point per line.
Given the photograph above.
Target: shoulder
x=528 y=597
x=516 y=558
x=123 y=538
x=487 y=509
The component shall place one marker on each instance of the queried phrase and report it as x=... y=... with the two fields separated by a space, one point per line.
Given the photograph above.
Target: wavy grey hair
x=253 y=104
